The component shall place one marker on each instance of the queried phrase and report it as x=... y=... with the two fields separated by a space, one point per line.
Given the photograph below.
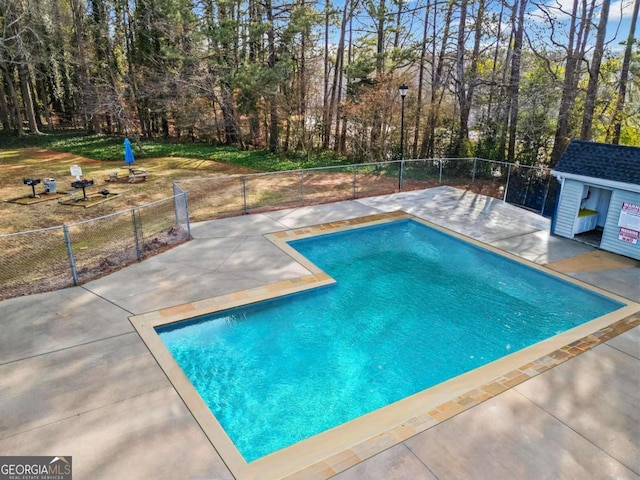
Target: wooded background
x=501 y=80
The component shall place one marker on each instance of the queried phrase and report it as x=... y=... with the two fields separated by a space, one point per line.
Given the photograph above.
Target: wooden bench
x=136 y=174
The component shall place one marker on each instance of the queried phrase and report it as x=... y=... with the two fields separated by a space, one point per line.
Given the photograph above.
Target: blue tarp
x=128 y=152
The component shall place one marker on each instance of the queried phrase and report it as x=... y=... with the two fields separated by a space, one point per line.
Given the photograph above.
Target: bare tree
x=274 y=121
x=421 y=75
x=342 y=145
x=336 y=85
x=515 y=81
x=466 y=78
x=438 y=75
x=326 y=111
x=7 y=124
x=624 y=75
x=15 y=46
x=14 y=107
x=376 y=127
x=594 y=72
x=580 y=24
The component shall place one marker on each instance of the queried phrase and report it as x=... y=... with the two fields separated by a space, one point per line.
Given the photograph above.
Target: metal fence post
x=186 y=213
x=473 y=174
x=506 y=187
x=178 y=192
x=175 y=208
x=244 y=195
x=72 y=263
x=302 y=184
x=401 y=175
x=440 y=174
x=135 y=233
x=355 y=182
x=546 y=193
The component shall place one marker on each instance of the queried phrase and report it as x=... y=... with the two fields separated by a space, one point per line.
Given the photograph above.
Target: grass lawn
x=110 y=148
x=17 y=164
x=51 y=156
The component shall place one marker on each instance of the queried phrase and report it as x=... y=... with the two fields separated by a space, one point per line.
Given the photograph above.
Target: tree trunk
x=594 y=72
x=376 y=126
x=45 y=104
x=339 y=117
x=466 y=83
x=343 y=132
x=274 y=121
x=302 y=86
x=7 y=124
x=494 y=67
x=255 y=19
x=326 y=113
x=227 y=105
x=460 y=77
x=85 y=87
x=624 y=76
x=34 y=102
x=575 y=54
x=427 y=147
x=514 y=84
x=396 y=37
x=25 y=87
x=336 y=87
x=421 y=69
x=504 y=106
x=130 y=125
x=13 y=98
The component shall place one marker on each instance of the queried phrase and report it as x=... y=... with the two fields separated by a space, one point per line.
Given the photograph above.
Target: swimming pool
x=336 y=449
x=428 y=307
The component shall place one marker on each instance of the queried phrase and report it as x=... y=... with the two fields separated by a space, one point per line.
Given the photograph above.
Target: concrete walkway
x=75 y=379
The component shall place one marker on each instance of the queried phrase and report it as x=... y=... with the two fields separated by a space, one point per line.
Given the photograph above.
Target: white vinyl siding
x=610 y=239
x=568 y=207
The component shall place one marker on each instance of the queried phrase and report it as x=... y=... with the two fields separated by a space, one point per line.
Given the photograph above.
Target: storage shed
x=599 y=200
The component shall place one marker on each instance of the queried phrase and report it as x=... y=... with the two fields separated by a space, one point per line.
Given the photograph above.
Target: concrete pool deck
x=77 y=380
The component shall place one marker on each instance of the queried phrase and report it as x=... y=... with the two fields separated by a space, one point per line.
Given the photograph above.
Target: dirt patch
x=229 y=196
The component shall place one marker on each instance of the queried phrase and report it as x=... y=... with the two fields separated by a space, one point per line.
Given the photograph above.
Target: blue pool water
x=412 y=307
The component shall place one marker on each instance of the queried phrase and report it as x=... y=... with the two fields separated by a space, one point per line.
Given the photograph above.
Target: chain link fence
x=526 y=186
x=58 y=257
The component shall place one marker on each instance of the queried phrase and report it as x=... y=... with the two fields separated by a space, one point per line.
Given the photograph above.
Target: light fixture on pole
x=402 y=89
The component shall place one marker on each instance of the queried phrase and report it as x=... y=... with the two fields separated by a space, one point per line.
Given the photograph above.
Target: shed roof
x=618 y=163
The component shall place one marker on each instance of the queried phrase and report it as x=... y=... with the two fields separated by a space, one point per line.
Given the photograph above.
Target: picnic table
x=135 y=174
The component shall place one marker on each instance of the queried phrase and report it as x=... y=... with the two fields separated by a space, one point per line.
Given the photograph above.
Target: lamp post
x=403 y=93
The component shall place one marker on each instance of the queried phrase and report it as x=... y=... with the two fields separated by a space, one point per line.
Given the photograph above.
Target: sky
x=617 y=27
